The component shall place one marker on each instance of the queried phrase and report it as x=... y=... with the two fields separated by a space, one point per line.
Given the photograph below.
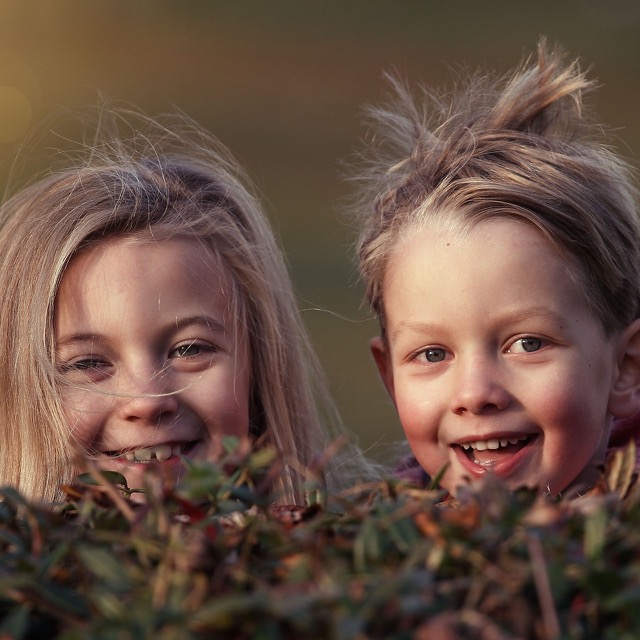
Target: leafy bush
x=212 y=558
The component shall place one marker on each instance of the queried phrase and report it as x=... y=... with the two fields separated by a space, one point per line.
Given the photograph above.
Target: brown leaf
x=620 y=469
x=465 y=516
x=429 y=527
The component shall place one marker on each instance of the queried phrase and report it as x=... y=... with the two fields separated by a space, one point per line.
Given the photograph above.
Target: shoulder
x=409 y=470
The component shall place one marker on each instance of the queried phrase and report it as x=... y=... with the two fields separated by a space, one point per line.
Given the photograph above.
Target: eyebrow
x=188 y=321
x=418 y=326
x=510 y=317
x=203 y=321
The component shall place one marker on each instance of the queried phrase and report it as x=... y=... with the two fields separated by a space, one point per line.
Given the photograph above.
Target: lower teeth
x=486 y=463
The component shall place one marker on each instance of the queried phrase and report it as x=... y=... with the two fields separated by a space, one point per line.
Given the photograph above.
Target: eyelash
x=202 y=349
x=423 y=352
x=83 y=364
x=422 y=355
x=89 y=364
x=542 y=343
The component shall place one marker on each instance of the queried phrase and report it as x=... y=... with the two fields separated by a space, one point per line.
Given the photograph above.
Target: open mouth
x=489 y=453
x=157 y=453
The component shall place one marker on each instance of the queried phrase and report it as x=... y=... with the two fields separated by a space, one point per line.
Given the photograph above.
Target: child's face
x=145 y=342
x=493 y=359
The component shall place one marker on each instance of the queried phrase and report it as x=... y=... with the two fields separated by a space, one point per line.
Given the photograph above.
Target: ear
x=624 y=399
x=380 y=353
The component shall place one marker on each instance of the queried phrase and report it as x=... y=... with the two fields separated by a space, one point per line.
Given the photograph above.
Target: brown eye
x=84 y=364
x=187 y=350
x=191 y=349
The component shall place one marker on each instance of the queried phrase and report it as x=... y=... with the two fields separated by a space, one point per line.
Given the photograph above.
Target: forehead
x=495 y=230
x=180 y=254
x=505 y=260
x=122 y=272
x=444 y=240
x=461 y=224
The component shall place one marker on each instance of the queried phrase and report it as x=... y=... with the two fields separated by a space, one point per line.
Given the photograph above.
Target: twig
x=543 y=588
x=107 y=487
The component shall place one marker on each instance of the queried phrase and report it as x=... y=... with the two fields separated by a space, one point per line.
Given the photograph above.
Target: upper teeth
x=493 y=443
x=161 y=452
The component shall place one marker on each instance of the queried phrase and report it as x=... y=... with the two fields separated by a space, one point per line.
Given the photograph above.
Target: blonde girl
x=500 y=247
x=147 y=313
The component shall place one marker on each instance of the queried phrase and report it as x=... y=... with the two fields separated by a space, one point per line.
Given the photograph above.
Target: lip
x=503 y=468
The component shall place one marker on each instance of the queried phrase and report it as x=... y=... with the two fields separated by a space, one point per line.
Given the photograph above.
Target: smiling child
x=147 y=313
x=124 y=307
x=501 y=252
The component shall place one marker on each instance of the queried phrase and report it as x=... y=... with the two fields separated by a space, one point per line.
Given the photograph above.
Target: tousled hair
x=522 y=146
x=152 y=179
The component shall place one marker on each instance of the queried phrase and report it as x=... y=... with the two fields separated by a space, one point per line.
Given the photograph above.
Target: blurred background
x=282 y=83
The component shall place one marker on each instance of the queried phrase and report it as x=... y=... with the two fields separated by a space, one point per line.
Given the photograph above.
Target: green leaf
x=11 y=496
x=262 y=458
x=14 y=626
x=230 y=443
x=62 y=598
x=595 y=534
x=104 y=564
x=224 y=612
x=111 y=476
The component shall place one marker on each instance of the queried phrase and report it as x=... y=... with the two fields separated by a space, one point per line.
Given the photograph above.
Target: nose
x=478 y=388
x=146 y=398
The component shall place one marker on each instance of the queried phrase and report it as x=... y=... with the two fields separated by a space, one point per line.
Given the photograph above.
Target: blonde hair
x=165 y=178
x=519 y=146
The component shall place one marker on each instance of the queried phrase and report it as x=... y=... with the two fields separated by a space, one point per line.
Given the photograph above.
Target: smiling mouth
x=488 y=453
x=157 y=453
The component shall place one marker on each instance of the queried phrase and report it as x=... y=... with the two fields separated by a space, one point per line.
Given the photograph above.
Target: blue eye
x=528 y=344
x=531 y=344
x=434 y=354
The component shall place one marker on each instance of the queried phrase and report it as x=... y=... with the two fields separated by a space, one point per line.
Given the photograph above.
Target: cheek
x=417 y=415
x=557 y=405
x=84 y=414
x=573 y=417
x=573 y=402
x=419 y=422
x=225 y=410
x=578 y=422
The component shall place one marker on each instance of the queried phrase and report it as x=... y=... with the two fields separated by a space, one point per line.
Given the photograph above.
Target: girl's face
x=493 y=359
x=153 y=367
